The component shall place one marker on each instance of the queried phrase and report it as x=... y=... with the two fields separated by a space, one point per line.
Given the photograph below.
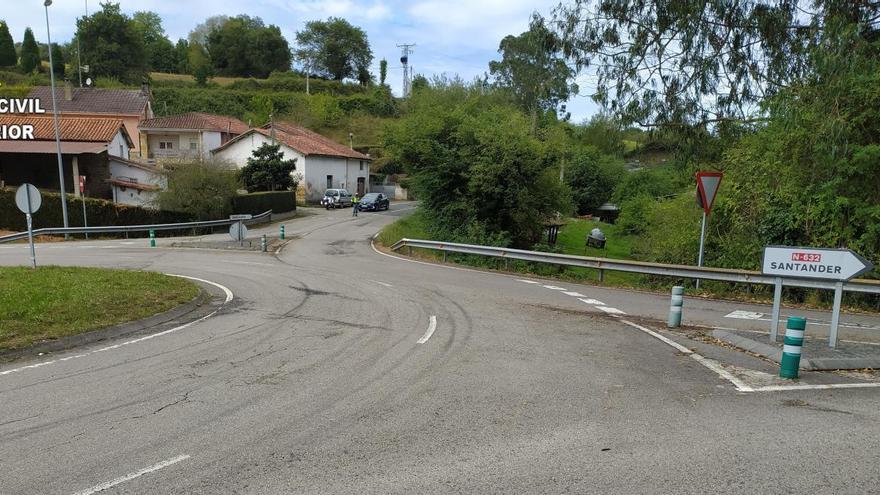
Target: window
x=329 y=181
x=362 y=164
x=166 y=145
x=193 y=144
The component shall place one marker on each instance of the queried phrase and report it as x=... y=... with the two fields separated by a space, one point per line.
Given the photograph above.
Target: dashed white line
x=131 y=476
x=432 y=325
x=611 y=311
x=591 y=301
x=383 y=283
x=527 y=281
x=229 y=297
x=553 y=287
x=573 y=294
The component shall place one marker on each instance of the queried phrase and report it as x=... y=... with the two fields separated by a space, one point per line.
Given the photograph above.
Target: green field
x=52 y=302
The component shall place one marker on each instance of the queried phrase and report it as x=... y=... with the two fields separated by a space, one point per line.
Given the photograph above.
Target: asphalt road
x=313 y=380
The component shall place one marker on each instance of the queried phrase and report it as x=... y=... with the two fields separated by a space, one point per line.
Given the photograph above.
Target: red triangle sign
x=707 y=189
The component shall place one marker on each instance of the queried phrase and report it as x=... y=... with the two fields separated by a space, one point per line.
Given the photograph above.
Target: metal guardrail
x=679 y=271
x=110 y=229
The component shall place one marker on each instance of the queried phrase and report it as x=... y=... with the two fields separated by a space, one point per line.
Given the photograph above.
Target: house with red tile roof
x=321 y=162
x=186 y=136
x=97 y=148
x=129 y=105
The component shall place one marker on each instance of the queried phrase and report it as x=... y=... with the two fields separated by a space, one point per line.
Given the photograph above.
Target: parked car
x=374 y=202
x=336 y=198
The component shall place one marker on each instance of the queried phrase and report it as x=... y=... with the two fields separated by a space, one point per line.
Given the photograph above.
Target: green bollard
x=282 y=232
x=263 y=244
x=791 y=348
x=675 y=307
x=152 y=238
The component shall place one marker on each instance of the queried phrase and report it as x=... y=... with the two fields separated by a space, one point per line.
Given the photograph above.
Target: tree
x=383 y=71
x=335 y=48
x=592 y=178
x=267 y=170
x=204 y=189
x=30 y=53
x=159 y=50
x=533 y=69
x=181 y=55
x=667 y=62
x=58 y=66
x=199 y=63
x=244 y=46
x=200 y=33
x=112 y=45
x=8 y=57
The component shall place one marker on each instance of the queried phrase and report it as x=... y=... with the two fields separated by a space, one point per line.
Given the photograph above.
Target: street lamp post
x=46 y=4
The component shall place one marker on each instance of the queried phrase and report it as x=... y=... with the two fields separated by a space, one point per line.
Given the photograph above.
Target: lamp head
x=47 y=3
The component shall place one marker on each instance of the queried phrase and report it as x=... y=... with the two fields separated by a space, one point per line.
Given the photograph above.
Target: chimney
x=68 y=90
x=145 y=89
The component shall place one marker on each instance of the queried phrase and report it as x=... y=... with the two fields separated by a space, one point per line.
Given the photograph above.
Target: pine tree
x=57 y=61
x=8 y=58
x=30 y=52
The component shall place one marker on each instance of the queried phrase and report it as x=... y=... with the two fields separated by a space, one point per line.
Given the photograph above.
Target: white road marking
x=573 y=294
x=432 y=325
x=591 y=301
x=229 y=297
x=744 y=315
x=827 y=386
x=131 y=476
x=611 y=311
x=553 y=287
x=527 y=281
x=383 y=283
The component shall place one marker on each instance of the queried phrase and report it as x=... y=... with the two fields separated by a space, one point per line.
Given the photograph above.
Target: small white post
x=835 y=314
x=777 y=302
x=702 y=243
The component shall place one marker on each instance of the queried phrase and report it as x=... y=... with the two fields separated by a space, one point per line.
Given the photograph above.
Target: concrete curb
x=182 y=313
x=774 y=353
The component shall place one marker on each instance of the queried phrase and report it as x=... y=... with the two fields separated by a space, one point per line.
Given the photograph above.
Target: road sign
x=707 y=188
x=240 y=217
x=803 y=262
x=238 y=231
x=28 y=199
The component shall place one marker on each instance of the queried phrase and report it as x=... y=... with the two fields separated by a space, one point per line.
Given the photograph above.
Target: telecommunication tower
x=405 y=50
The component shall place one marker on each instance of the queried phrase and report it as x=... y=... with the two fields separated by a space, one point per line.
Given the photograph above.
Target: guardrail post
x=263 y=244
x=445 y=255
x=601 y=276
x=791 y=348
x=675 y=306
x=152 y=238
x=409 y=250
x=282 y=233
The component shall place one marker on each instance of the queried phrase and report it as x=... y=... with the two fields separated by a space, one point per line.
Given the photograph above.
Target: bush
x=203 y=189
x=99 y=211
x=256 y=203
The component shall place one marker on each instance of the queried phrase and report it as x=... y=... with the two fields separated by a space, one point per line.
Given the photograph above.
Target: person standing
x=354 y=204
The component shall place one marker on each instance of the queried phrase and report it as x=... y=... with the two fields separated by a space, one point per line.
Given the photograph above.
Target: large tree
x=244 y=46
x=58 y=66
x=30 y=53
x=335 y=49
x=112 y=44
x=533 y=69
x=8 y=57
x=659 y=62
x=160 y=52
x=267 y=170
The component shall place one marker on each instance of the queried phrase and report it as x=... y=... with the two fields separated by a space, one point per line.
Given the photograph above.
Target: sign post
x=707 y=189
x=28 y=200
x=238 y=231
x=82 y=197
x=838 y=265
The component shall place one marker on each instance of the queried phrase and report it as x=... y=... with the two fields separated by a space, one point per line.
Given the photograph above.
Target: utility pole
x=405 y=50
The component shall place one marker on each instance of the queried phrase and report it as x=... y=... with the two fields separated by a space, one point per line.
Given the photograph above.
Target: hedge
x=256 y=203
x=100 y=212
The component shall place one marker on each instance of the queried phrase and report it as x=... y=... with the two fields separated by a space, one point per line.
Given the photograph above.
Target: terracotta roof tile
x=196 y=121
x=309 y=142
x=94 y=100
x=82 y=129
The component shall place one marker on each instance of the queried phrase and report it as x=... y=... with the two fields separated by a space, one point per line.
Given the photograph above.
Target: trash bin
x=596 y=239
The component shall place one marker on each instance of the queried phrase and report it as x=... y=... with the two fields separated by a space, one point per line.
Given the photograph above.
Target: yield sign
x=707 y=188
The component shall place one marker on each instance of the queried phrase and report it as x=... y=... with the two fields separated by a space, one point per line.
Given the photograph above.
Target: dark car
x=374 y=202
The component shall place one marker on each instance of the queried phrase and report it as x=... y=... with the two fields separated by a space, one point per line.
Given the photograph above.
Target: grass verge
x=52 y=301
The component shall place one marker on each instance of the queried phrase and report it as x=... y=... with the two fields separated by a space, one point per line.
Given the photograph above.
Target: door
x=329 y=182
x=361 y=186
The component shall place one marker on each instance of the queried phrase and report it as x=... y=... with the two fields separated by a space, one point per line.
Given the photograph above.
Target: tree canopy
x=8 y=57
x=244 y=46
x=533 y=69
x=267 y=170
x=113 y=45
x=30 y=53
x=335 y=49
x=160 y=52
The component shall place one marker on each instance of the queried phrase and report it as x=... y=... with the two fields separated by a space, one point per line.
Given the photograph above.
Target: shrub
x=256 y=203
x=203 y=189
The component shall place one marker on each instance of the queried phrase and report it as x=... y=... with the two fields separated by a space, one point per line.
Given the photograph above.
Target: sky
x=451 y=37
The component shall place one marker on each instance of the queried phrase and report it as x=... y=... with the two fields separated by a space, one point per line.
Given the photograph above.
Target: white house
x=321 y=162
x=135 y=183
x=189 y=135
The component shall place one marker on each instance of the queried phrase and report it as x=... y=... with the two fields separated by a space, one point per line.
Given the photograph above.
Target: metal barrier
x=110 y=229
x=645 y=268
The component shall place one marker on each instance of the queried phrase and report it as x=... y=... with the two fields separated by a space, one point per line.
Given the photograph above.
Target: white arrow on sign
x=805 y=262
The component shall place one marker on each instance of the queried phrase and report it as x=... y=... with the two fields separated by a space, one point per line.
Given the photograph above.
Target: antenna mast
x=405 y=50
